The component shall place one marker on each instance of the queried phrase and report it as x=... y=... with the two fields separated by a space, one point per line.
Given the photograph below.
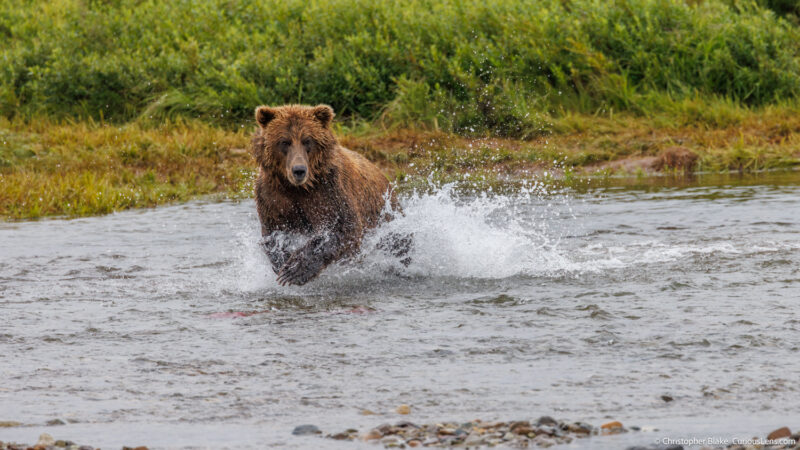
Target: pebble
x=614 y=427
x=611 y=425
x=580 y=428
x=473 y=439
x=514 y=434
x=546 y=420
x=403 y=409
x=779 y=434
x=303 y=430
x=372 y=434
x=45 y=440
x=475 y=434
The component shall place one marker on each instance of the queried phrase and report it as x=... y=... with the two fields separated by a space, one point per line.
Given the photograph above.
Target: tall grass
x=503 y=67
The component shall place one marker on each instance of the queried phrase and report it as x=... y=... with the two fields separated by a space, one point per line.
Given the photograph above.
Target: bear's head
x=294 y=142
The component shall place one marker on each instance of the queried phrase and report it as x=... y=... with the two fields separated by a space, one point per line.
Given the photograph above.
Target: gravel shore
x=543 y=432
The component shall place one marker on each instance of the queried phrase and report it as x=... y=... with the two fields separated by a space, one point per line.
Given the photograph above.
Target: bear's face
x=296 y=141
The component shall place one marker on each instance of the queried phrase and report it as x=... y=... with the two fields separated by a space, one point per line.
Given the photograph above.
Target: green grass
x=504 y=68
x=115 y=104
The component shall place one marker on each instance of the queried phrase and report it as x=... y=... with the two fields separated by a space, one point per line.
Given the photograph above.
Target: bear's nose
x=299 y=172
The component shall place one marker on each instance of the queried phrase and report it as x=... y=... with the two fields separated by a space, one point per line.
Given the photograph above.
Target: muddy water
x=165 y=328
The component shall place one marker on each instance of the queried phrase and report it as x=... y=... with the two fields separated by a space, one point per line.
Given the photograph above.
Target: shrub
x=469 y=66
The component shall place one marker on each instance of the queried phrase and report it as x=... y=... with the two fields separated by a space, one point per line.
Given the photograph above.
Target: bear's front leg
x=309 y=260
x=276 y=247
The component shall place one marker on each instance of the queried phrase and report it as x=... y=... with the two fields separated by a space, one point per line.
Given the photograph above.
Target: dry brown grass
x=86 y=168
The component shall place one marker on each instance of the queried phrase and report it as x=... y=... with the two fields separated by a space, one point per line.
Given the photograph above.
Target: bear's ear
x=264 y=114
x=324 y=114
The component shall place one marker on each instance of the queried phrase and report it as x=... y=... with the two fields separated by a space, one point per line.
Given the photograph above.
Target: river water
x=165 y=327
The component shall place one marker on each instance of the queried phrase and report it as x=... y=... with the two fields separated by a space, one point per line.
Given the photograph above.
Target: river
x=165 y=327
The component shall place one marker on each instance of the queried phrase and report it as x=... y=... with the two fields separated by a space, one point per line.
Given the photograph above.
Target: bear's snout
x=299 y=173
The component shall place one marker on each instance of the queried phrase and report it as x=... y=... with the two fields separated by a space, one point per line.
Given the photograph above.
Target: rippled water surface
x=166 y=327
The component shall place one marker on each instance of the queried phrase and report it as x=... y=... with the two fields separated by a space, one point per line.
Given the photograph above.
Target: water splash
x=455 y=235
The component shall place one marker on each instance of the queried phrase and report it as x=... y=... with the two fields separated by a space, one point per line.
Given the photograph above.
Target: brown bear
x=311 y=185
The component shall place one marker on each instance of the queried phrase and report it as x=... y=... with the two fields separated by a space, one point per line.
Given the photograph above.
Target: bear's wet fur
x=310 y=185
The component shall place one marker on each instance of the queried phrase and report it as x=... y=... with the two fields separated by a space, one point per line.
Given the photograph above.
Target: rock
x=392 y=441
x=649 y=429
x=372 y=434
x=403 y=409
x=514 y=425
x=414 y=443
x=366 y=412
x=85 y=447
x=447 y=431
x=406 y=424
x=56 y=422
x=303 y=430
x=546 y=420
x=473 y=439
x=611 y=425
x=667 y=398
x=45 y=440
x=523 y=430
x=780 y=433
x=580 y=428
x=9 y=424
x=340 y=436
x=548 y=430
x=542 y=441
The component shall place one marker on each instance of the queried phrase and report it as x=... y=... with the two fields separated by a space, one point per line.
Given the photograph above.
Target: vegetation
x=503 y=67
x=87 y=168
x=111 y=104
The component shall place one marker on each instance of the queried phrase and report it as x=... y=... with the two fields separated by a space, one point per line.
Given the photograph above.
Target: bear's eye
x=284 y=144
x=306 y=142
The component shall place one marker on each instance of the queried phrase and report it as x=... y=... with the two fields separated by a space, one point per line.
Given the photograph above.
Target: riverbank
x=543 y=432
x=89 y=168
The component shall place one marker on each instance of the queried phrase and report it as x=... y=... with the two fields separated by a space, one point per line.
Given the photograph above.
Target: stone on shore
x=45 y=440
x=780 y=433
x=304 y=430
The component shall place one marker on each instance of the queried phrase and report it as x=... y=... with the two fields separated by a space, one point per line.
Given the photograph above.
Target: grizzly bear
x=310 y=185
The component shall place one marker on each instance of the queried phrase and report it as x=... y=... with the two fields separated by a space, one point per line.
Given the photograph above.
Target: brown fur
x=341 y=197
